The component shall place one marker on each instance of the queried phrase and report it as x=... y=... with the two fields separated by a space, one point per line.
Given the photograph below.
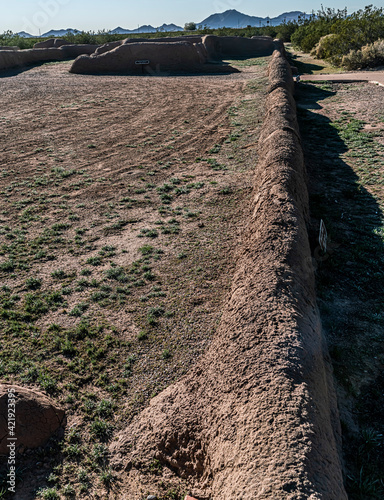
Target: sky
x=33 y=16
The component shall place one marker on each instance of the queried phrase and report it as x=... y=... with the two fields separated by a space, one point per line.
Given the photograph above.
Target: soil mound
x=149 y=58
x=36 y=418
x=256 y=417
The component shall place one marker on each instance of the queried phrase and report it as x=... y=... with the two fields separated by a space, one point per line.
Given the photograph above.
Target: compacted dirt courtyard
x=123 y=200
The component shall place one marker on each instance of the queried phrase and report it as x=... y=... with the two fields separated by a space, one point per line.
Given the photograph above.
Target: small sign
x=323 y=236
x=142 y=62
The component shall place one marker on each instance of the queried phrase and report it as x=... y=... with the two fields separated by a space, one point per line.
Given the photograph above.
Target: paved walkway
x=361 y=76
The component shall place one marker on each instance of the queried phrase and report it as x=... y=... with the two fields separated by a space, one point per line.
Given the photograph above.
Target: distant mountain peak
x=24 y=34
x=63 y=32
x=234 y=19
x=147 y=29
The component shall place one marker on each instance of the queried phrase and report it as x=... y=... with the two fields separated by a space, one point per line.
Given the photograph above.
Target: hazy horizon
x=87 y=15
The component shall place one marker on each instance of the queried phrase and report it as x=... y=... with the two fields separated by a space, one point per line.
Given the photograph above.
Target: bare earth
x=360 y=76
x=125 y=198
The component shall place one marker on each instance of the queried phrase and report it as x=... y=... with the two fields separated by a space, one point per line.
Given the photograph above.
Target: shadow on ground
x=7 y=73
x=305 y=68
x=350 y=291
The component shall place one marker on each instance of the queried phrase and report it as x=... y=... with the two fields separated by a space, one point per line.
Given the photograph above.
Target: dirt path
x=360 y=76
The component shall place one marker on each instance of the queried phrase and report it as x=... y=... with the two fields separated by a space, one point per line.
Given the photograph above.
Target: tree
x=189 y=26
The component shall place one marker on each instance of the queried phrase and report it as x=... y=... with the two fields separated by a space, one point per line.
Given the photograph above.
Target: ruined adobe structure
x=21 y=58
x=180 y=54
x=187 y=54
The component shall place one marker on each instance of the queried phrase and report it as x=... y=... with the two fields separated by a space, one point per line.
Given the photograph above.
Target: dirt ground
x=343 y=137
x=123 y=199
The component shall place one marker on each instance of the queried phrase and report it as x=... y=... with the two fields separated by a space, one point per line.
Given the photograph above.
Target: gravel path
x=376 y=77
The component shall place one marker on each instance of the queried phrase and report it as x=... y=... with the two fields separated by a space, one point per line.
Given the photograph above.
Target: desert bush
x=369 y=56
x=286 y=30
x=8 y=38
x=349 y=32
x=190 y=26
x=311 y=30
x=326 y=46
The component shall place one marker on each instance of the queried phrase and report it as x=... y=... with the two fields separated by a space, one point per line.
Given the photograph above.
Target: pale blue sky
x=32 y=15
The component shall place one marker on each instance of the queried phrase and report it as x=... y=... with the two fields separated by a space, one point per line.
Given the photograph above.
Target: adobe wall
x=169 y=57
x=14 y=59
x=256 y=417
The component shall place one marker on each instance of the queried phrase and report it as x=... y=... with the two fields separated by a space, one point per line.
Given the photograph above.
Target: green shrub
x=35 y=304
x=7 y=266
x=33 y=283
x=48 y=494
x=116 y=273
x=101 y=429
x=368 y=57
x=327 y=46
x=349 y=32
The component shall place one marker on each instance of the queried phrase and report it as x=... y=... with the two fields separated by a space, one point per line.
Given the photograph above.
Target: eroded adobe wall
x=256 y=418
x=172 y=57
x=28 y=56
x=235 y=46
x=19 y=58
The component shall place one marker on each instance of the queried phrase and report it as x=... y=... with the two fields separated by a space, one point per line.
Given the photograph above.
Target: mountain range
x=147 y=29
x=234 y=19
x=228 y=19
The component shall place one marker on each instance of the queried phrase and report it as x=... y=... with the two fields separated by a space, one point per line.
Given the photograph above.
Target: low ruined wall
x=9 y=47
x=233 y=46
x=169 y=57
x=256 y=417
x=106 y=47
x=170 y=54
x=14 y=59
x=76 y=50
x=112 y=45
x=217 y=47
x=19 y=58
